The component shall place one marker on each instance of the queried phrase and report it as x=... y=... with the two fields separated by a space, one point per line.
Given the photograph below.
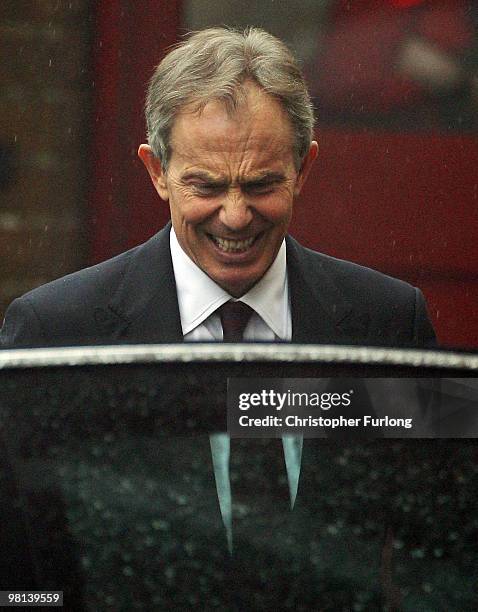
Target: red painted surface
x=130 y=42
x=406 y=204
x=406 y=3
x=105 y=139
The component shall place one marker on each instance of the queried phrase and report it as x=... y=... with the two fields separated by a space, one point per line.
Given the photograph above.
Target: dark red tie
x=234 y=318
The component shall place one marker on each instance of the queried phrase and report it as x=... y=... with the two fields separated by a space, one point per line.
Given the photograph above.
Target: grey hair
x=213 y=64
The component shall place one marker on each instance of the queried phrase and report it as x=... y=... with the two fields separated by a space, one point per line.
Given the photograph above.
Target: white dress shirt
x=199 y=297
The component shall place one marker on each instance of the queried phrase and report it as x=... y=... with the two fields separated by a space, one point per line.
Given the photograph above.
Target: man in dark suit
x=230 y=128
x=230 y=146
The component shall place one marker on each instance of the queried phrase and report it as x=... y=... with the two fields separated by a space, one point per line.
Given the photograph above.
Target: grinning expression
x=231 y=182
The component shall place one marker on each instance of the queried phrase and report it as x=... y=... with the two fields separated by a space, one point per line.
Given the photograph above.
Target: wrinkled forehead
x=256 y=123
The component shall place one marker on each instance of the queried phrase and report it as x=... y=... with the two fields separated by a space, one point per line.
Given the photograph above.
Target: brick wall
x=45 y=101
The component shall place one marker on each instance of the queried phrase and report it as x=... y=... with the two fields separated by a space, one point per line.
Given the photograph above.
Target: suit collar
x=145 y=302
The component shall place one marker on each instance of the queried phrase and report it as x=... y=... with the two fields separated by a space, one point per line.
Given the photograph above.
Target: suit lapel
x=146 y=303
x=321 y=312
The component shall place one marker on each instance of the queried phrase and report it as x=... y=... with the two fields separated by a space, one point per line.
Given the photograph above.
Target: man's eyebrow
x=203 y=176
x=265 y=177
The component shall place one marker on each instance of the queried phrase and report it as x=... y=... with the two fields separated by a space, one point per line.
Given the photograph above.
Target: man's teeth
x=233 y=246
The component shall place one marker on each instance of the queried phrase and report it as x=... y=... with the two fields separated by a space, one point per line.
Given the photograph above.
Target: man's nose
x=236 y=212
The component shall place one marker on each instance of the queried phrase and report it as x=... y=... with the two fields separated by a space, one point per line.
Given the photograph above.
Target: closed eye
x=208 y=189
x=212 y=189
x=259 y=188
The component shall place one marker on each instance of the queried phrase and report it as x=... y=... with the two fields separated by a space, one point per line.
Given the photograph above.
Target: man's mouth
x=228 y=245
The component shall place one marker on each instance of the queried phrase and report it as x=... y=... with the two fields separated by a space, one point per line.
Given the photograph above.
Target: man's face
x=230 y=183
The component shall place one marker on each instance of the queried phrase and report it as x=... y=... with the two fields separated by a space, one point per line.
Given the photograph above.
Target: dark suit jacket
x=132 y=299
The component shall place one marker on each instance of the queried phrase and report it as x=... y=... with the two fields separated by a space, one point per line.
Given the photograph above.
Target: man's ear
x=155 y=170
x=305 y=167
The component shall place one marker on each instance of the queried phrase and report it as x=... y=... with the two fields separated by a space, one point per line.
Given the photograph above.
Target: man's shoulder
x=74 y=307
x=348 y=275
x=369 y=307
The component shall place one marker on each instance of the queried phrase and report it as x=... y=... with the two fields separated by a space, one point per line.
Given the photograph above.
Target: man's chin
x=237 y=287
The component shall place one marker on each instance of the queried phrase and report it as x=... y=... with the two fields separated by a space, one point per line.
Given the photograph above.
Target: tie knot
x=234 y=318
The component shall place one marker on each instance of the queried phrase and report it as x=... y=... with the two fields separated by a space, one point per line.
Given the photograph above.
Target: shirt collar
x=270 y=296
x=199 y=296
